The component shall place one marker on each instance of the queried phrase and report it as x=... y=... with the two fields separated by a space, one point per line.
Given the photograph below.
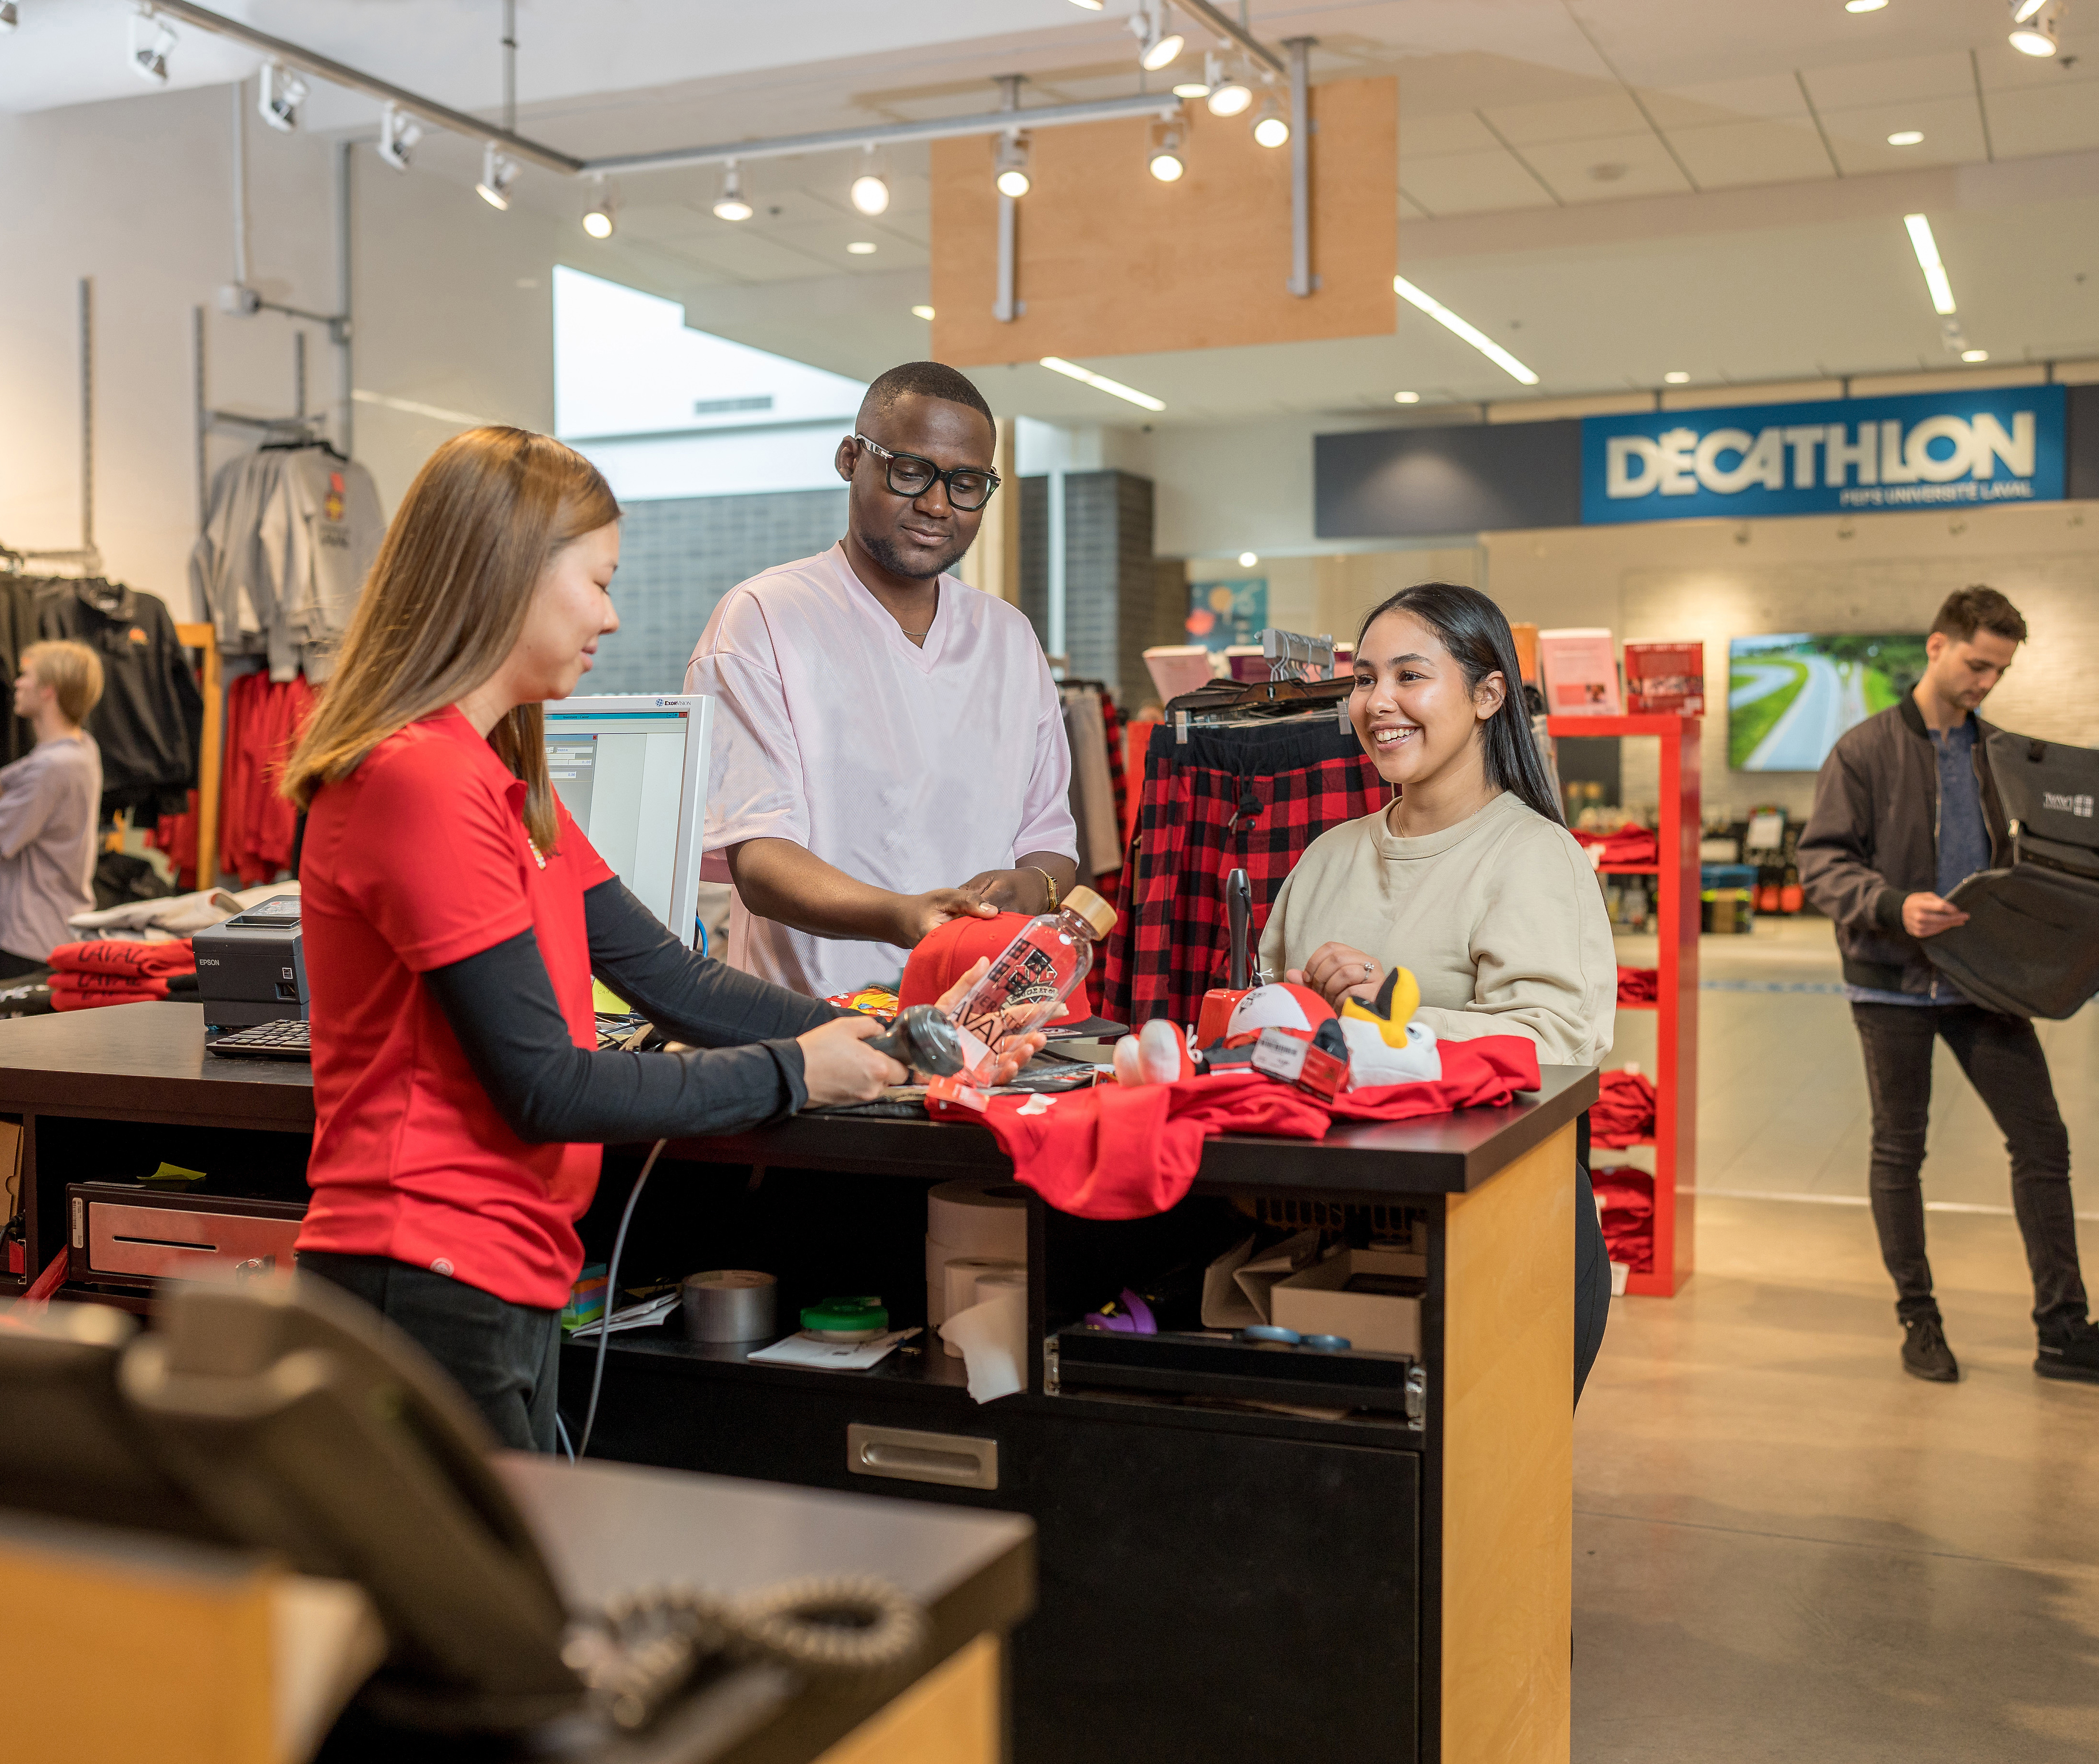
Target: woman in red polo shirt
x=454 y=916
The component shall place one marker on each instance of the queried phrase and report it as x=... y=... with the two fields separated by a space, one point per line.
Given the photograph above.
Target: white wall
x=451 y=305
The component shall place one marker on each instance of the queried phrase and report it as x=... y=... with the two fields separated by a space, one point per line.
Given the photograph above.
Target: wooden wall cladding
x=1112 y=261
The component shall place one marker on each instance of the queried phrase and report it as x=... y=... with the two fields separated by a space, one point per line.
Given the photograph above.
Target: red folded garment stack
x=1624 y=1114
x=115 y=971
x=1628 y=845
x=1627 y=1196
x=1638 y=986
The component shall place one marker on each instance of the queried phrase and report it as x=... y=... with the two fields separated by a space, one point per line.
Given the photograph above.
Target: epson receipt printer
x=253 y=968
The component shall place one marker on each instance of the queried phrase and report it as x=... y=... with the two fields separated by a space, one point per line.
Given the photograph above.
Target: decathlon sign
x=1933 y=450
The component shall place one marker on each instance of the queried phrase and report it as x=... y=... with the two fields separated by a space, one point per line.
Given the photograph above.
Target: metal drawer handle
x=952 y=1460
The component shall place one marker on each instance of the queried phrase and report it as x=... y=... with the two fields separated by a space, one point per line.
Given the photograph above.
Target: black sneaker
x=2070 y=1350
x=1925 y=1355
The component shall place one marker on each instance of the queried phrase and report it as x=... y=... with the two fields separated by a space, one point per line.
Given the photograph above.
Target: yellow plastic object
x=174 y=1175
x=1397 y=1000
x=606 y=1002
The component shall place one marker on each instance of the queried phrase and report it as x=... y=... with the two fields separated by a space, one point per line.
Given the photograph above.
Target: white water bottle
x=1028 y=981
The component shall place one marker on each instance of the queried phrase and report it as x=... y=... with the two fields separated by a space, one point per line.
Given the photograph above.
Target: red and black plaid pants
x=1249 y=799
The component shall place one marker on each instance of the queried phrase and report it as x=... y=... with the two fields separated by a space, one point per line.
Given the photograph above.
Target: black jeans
x=1592 y=1279
x=2003 y=1059
x=505 y=1356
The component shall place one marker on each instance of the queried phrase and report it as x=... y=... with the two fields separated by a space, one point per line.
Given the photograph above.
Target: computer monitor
x=632 y=769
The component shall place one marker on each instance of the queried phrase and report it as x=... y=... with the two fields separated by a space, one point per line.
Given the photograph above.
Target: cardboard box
x=1316 y=1301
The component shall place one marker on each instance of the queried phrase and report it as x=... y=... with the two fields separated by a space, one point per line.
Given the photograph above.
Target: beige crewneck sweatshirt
x=1499 y=917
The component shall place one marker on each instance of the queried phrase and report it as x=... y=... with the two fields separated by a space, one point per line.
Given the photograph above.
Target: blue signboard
x=1932 y=449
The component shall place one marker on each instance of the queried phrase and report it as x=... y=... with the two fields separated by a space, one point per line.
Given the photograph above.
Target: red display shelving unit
x=1676 y=994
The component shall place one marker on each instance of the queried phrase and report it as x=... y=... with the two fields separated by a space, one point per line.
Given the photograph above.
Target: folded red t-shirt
x=1118 y=1152
x=1624 y=1114
x=72 y=998
x=122 y=954
x=1628 y=845
x=1638 y=986
x=110 y=985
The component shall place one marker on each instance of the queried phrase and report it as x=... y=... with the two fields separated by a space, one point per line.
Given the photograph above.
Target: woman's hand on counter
x=838 y=1065
x=1015 y=1053
x=1336 y=971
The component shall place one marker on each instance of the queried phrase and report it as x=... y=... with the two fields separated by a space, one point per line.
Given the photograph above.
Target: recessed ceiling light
x=1407 y=397
x=1247 y=560
x=862 y=247
x=1906 y=138
x=1472 y=333
x=1677 y=378
x=1100 y=382
x=1975 y=355
x=1864 y=5
x=922 y=312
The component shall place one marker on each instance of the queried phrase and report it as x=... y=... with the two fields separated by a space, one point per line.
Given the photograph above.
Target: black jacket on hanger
x=150 y=722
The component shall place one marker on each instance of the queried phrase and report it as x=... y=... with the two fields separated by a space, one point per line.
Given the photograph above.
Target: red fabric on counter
x=118 y=956
x=1624 y=1114
x=85 y=992
x=1628 y=845
x=1638 y=986
x=1119 y=1152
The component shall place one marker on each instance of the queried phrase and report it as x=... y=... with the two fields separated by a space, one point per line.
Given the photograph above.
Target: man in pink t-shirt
x=889 y=745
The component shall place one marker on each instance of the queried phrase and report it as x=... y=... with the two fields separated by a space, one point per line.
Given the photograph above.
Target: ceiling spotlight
x=1247 y=560
x=11 y=15
x=862 y=247
x=870 y=190
x=149 y=60
x=2035 y=28
x=730 y=205
x=1161 y=48
x=1972 y=355
x=1271 y=128
x=1231 y=97
x=922 y=312
x=1165 y=162
x=1906 y=138
x=598 y=219
x=1198 y=86
x=1929 y=261
x=498 y=173
x=1011 y=167
x=1676 y=377
x=398 y=133
x=278 y=98
x=1407 y=397
x=1864 y=5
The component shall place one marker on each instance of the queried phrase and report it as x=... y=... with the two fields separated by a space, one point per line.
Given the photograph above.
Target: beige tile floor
x=1785 y=1548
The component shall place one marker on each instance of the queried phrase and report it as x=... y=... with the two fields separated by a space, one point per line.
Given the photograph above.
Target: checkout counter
x=1234 y=1563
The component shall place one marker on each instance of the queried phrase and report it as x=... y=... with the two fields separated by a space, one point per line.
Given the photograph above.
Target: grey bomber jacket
x=1873 y=840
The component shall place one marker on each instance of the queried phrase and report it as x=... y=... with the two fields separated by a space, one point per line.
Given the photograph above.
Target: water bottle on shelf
x=1027 y=983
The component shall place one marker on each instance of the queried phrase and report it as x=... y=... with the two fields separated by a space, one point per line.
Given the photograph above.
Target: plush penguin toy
x=1386 y=1046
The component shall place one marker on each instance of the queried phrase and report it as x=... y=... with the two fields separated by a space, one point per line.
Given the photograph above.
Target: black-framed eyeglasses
x=969 y=486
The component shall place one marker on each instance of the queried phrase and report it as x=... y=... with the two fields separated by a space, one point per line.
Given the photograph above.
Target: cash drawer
x=122 y=1234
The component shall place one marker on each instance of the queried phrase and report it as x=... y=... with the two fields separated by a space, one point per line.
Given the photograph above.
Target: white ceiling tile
x=1953 y=130
x=2004 y=69
x=1471 y=183
x=1569 y=118
x=1458 y=131
x=2062 y=119
x=1605 y=170
x=1772 y=95
x=1890 y=82
x=1724 y=155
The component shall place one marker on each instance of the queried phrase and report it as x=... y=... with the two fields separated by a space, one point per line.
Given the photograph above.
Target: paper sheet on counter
x=833 y=1356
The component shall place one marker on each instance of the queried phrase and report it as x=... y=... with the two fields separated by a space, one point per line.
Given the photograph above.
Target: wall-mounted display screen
x=1789 y=696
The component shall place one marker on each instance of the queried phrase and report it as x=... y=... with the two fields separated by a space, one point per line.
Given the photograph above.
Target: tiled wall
x=1111 y=586
x=678 y=558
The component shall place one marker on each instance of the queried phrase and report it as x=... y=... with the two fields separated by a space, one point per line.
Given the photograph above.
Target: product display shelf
x=1676 y=994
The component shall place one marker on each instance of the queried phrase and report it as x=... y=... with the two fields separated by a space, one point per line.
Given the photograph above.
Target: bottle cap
x=1099 y=917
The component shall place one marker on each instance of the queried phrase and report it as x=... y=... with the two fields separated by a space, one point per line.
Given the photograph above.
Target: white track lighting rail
x=1213 y=20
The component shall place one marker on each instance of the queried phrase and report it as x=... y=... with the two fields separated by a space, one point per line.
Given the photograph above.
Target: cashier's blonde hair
x=447 y=601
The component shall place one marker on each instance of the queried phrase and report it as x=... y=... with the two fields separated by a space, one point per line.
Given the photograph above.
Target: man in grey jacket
x=1904 y=810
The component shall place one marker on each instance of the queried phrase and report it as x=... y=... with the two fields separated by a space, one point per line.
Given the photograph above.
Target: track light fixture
x=598 y=221
x=730 y=204
x=11 y=15
x=278 y=98
x=1012 y=176
x=498 y=173
x=149 y=58
x=1164 y=162
x=870 y=190
x=1231 y=97
x=398 y=133
x=1199 y=86
x=1271 y=128
x=1161 y=48
x=2036 y=26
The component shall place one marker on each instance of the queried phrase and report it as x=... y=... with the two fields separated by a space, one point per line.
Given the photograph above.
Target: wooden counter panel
x=951 y=1716
x=1508 y=1462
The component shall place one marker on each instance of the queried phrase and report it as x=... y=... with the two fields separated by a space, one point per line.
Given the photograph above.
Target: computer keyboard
x=284 y=1041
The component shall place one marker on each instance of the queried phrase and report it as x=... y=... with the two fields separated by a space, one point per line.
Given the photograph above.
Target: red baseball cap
x=947 y=951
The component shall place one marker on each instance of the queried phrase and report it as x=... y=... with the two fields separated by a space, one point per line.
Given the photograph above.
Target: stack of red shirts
x=1627 y=1195
x=1624 y=1114
x=1628 y=845
x=1118 y=1152
x=115 y=971
x=1638 y=986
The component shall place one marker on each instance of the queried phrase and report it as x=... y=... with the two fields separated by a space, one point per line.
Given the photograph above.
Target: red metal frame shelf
x=1676 y=1001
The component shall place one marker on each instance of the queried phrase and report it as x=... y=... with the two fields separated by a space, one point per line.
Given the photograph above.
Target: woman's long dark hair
x=1471 y=628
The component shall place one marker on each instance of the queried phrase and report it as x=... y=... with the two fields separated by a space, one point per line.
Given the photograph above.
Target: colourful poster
x=1222 y=613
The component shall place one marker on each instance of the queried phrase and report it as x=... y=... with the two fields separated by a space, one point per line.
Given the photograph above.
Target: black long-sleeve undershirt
x=747 y=1070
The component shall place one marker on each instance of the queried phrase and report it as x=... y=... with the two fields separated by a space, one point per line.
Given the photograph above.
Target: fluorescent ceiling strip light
x=1479 y=339
x=1100 y=382
x=1927 y=259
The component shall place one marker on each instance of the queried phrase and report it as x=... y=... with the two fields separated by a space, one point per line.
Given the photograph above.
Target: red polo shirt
x=417 y=860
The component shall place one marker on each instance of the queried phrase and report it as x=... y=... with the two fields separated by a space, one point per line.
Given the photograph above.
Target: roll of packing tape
x=730 y=1305
x=979 y=1218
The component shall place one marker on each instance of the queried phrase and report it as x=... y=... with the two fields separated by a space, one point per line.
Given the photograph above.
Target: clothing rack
x=1286 y=650
x=300 y=428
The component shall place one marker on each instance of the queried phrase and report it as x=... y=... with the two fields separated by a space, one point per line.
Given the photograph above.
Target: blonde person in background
x=50 y=802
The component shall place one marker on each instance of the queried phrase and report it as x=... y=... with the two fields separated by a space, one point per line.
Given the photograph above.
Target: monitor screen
x=631 y=771
x=1790 y=696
